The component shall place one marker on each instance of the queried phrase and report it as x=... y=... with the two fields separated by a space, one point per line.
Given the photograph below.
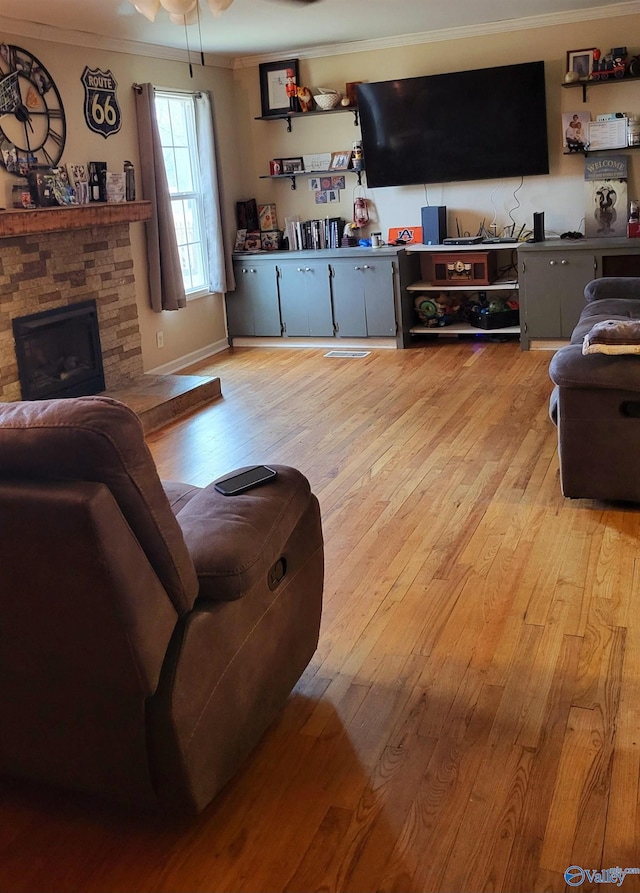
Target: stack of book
x=313 y=234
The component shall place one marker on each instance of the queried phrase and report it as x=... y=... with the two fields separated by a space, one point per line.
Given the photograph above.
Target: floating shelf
x=288 y=116
x=292 y=177
x=598 y=83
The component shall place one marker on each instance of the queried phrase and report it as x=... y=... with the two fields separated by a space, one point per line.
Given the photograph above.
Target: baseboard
x=190 y=359
x=328 y=343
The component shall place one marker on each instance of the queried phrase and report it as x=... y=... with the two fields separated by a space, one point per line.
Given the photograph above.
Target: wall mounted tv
x=468 y=125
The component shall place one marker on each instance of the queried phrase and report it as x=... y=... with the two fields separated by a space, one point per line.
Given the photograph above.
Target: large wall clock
x=32 y=122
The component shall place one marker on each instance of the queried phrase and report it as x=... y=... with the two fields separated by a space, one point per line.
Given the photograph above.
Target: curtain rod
x=197 y=93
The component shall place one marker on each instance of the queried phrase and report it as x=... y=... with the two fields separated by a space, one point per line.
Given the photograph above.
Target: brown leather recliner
x=143 y=651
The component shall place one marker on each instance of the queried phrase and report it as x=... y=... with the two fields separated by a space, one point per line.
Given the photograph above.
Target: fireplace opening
x=59 y=353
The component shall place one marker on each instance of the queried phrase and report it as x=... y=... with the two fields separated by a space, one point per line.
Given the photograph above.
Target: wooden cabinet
x=305 y=297
x=553 y=276
x=552 y=292
x=344 y=292
x=253 y=309
x=363 y=291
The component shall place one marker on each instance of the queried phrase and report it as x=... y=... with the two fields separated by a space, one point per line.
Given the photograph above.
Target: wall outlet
x=159 y=339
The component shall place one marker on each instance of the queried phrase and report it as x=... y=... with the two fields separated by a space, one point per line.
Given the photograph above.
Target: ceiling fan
x=185 y=12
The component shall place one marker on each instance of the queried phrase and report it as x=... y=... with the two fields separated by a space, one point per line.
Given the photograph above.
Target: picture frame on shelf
x=274 y=77
x=575 y=130
x=351 y=92
x=581 y=61
x=241 y=238
x=292 y=166
x=340 y=160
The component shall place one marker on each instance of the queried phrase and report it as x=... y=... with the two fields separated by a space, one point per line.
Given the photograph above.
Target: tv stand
x=486 y=259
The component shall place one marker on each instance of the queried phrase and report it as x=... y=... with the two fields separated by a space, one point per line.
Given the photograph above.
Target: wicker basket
x=327 y=99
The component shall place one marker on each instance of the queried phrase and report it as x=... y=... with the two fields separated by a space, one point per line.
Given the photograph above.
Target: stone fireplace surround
x=55 y=257
x=47 y=267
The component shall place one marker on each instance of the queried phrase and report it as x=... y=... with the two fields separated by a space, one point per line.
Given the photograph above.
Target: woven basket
x=327 y=100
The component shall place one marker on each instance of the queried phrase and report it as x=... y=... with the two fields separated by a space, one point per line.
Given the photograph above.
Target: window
x=177 y=126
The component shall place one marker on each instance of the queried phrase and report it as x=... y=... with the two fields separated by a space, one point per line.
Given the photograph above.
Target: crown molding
x=549 y=20
x=21 y=28
x=68 y=37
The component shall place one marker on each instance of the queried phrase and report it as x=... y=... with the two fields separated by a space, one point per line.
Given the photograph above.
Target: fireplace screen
x=59 y=353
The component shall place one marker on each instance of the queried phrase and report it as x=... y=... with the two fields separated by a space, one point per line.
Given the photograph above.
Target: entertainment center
x=371 y=293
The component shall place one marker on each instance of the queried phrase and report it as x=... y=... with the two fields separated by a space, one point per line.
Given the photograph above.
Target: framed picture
x=352 y=93
x=581 y=61
x=575 y=128
x=340 y=160
x=274 y=79
x=253 y=241
x=292 y=165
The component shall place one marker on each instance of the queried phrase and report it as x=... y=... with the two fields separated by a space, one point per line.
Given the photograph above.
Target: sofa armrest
x=234 y=541
x=569 y=368
x=626 y=287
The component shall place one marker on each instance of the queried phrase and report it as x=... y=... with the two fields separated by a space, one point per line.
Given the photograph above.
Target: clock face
x=32 y=123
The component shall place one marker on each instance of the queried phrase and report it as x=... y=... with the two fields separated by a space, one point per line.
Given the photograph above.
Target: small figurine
x=292 y=90
x=305 y=98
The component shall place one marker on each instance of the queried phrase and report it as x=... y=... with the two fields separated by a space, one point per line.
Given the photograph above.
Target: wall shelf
x=599 y=82
x=292 y=177
x=288 y=116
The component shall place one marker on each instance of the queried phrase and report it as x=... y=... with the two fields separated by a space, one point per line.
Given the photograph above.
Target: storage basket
x=327 y=99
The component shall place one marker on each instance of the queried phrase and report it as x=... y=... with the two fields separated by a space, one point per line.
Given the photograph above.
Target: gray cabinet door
x=347 y=288
x=363 y=297
x=305 y=298
x=252 y=309
x=379 y=298
x=552 y=285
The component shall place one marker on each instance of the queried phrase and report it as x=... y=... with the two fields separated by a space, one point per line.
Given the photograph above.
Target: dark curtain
x=166 y=285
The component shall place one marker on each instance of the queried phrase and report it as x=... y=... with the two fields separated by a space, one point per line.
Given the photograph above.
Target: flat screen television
x=489 y=123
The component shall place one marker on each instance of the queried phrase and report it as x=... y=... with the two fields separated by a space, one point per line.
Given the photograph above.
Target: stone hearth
x=161 y=399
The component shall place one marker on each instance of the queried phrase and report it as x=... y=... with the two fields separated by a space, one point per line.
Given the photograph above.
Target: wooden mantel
x=21 y=222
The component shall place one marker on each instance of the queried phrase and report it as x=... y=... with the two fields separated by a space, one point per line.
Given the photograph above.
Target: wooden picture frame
x=292 y=165
x=351 y=92
x=581 y=61
x=340 y=160
x=273 y=82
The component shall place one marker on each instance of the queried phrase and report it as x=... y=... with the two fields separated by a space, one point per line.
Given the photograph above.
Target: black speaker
x=434 y=224
x=538 y=226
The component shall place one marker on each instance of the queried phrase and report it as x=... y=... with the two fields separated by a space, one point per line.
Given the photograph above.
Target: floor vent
x=351 y=354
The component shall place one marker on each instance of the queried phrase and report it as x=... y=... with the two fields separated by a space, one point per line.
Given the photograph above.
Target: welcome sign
x=101 y=108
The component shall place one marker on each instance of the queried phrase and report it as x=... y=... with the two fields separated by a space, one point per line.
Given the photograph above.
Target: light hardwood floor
x=471 y=720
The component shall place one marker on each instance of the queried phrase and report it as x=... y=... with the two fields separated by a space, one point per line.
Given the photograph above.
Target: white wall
x=559 y=195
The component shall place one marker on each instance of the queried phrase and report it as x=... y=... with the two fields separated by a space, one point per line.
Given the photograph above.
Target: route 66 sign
x=101 y=109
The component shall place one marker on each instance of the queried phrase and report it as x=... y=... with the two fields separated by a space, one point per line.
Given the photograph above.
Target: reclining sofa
x=596 y=399
x=149 y=633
